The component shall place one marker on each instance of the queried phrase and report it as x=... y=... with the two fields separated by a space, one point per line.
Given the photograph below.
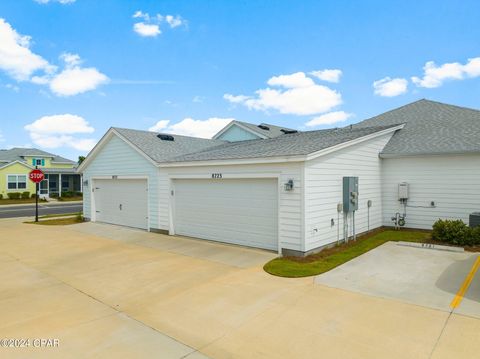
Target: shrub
x=1 y=196
x=54 y=195
x=67 y=194
x=14 y=195
x=455 y=232
x=25 y=195
x=33 y=195
x=78 y=194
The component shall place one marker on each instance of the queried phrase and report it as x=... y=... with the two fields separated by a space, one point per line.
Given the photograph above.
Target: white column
x=59 y=185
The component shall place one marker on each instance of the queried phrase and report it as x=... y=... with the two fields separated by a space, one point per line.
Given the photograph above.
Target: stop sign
x=36 y=176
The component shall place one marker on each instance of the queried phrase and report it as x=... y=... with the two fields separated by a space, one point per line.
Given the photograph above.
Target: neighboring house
x=281 y=189
x=242 y=131
x=16 y=163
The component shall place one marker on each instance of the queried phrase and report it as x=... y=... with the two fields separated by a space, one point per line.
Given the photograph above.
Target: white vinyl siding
x=324 y=186
x=452 y=182
x=238 y=211
x=117 y=158
x=290 y=229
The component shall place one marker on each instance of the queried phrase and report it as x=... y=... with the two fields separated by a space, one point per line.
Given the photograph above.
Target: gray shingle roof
x=162 y=151
x=17 y=153
x=272 y=132
x=295 y=144
x=430 y=128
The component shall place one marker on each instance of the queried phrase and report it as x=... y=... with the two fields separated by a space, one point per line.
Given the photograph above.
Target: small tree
x=81 y=159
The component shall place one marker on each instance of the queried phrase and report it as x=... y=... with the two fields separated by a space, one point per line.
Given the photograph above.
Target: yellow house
x=16 y=163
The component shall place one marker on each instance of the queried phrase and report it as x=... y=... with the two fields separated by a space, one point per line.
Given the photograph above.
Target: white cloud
x=198 y=99
x=74 y=79
x=389 y=87
x=298 y=79
x=16 y=58
x=12 y=87
x=299 y=96
x=59 y=130
x=146 y=30
x=59 y=1
x=330 y=75
x=235 y=99
x=329 y=118
x=159 y=126
x=150 y=26
x=434 y=75
x=174 y=21
x=18 y=61
x=195 y=128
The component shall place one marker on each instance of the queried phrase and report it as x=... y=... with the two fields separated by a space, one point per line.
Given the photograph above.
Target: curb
x=437 y=247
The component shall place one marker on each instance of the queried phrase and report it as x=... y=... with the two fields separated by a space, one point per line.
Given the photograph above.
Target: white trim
x=93 y=213
x=38 y=155
x=103 y=141
x=234 y=123
x=356 y=141
x=16 y=189
x=63 y=163
x=282 y=159
x=16 y=161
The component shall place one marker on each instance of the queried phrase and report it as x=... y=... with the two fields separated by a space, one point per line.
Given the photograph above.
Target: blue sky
x=71 y=69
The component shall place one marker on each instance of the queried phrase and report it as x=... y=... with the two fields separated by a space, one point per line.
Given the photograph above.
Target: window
x=16 y=182
x=38 y=162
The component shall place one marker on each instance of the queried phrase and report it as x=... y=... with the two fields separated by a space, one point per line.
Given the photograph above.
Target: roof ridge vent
x=263 y=127
x=287 y=132
x=165 y=137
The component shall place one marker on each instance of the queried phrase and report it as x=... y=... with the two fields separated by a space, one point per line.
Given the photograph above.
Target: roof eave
x=235 y=123
x=419 y=154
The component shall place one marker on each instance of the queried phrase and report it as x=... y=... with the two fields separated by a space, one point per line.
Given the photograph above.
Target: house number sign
x=216 y=175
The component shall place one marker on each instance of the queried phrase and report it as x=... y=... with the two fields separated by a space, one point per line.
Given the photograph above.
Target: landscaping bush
x=33 y=195
x=68 y=194
x=25 y=195
x=1 y=196
x=54 y=195
x=455 y=232
x=78 y=194
x=14 y=195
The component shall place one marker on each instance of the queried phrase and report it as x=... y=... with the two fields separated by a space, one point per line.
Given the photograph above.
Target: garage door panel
x=240 y=211
x=122 y=201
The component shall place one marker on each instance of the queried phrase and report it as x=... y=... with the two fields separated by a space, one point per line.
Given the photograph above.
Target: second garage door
x=121 y=201
x=239 y=211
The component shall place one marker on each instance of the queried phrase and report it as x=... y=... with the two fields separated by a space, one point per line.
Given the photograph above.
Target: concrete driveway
x=422 y=276
x=105 y=291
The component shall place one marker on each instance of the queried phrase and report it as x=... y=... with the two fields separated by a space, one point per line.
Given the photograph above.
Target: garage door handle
x=120 y=207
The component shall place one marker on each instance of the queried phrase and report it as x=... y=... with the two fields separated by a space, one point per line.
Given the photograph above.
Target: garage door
x=239 y=211
x=121 y=201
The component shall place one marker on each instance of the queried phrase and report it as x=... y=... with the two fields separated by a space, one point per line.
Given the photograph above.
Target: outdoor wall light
x=85 y=183
x=289 y=185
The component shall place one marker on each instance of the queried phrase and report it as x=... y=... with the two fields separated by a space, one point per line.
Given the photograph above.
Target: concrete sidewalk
x=105 y=297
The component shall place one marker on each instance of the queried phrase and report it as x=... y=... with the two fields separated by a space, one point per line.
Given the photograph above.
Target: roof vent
x=263 y=127
x=165 y=137
x=287 y=132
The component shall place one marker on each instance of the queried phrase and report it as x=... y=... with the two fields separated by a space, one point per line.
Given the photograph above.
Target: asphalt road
x=28 y=210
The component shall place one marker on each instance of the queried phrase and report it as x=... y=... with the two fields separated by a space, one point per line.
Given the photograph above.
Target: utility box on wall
x=403 y=191
x=350 y=194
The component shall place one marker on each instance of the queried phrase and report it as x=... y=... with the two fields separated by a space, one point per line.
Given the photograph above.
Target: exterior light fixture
x=289 y=185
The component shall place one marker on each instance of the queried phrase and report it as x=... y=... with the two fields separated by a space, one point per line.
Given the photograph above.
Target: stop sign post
x=36 y=176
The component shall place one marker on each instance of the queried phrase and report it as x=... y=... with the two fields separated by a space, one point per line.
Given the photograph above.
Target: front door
x=44 y=188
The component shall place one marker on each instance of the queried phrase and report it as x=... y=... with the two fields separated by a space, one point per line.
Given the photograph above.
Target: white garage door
x=121 y=201
x=239 y=211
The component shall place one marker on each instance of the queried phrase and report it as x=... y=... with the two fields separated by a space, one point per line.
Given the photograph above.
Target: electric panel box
x=350 y=194
x=402 y=191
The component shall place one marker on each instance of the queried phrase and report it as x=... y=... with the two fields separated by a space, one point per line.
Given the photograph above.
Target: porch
x=58 y=181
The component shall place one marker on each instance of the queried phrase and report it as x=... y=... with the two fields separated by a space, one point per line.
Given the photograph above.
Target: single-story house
x=16 y=163
x=276 y=188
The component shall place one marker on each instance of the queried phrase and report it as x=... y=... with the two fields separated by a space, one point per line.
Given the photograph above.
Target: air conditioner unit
x=474 y=219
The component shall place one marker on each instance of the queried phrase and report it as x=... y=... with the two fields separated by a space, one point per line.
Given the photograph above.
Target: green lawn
x=59 y=215
x=328 y=259
x=69 y=199
x=57 y=221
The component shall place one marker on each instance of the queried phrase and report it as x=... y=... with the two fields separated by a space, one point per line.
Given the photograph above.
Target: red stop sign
x=36 y=176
